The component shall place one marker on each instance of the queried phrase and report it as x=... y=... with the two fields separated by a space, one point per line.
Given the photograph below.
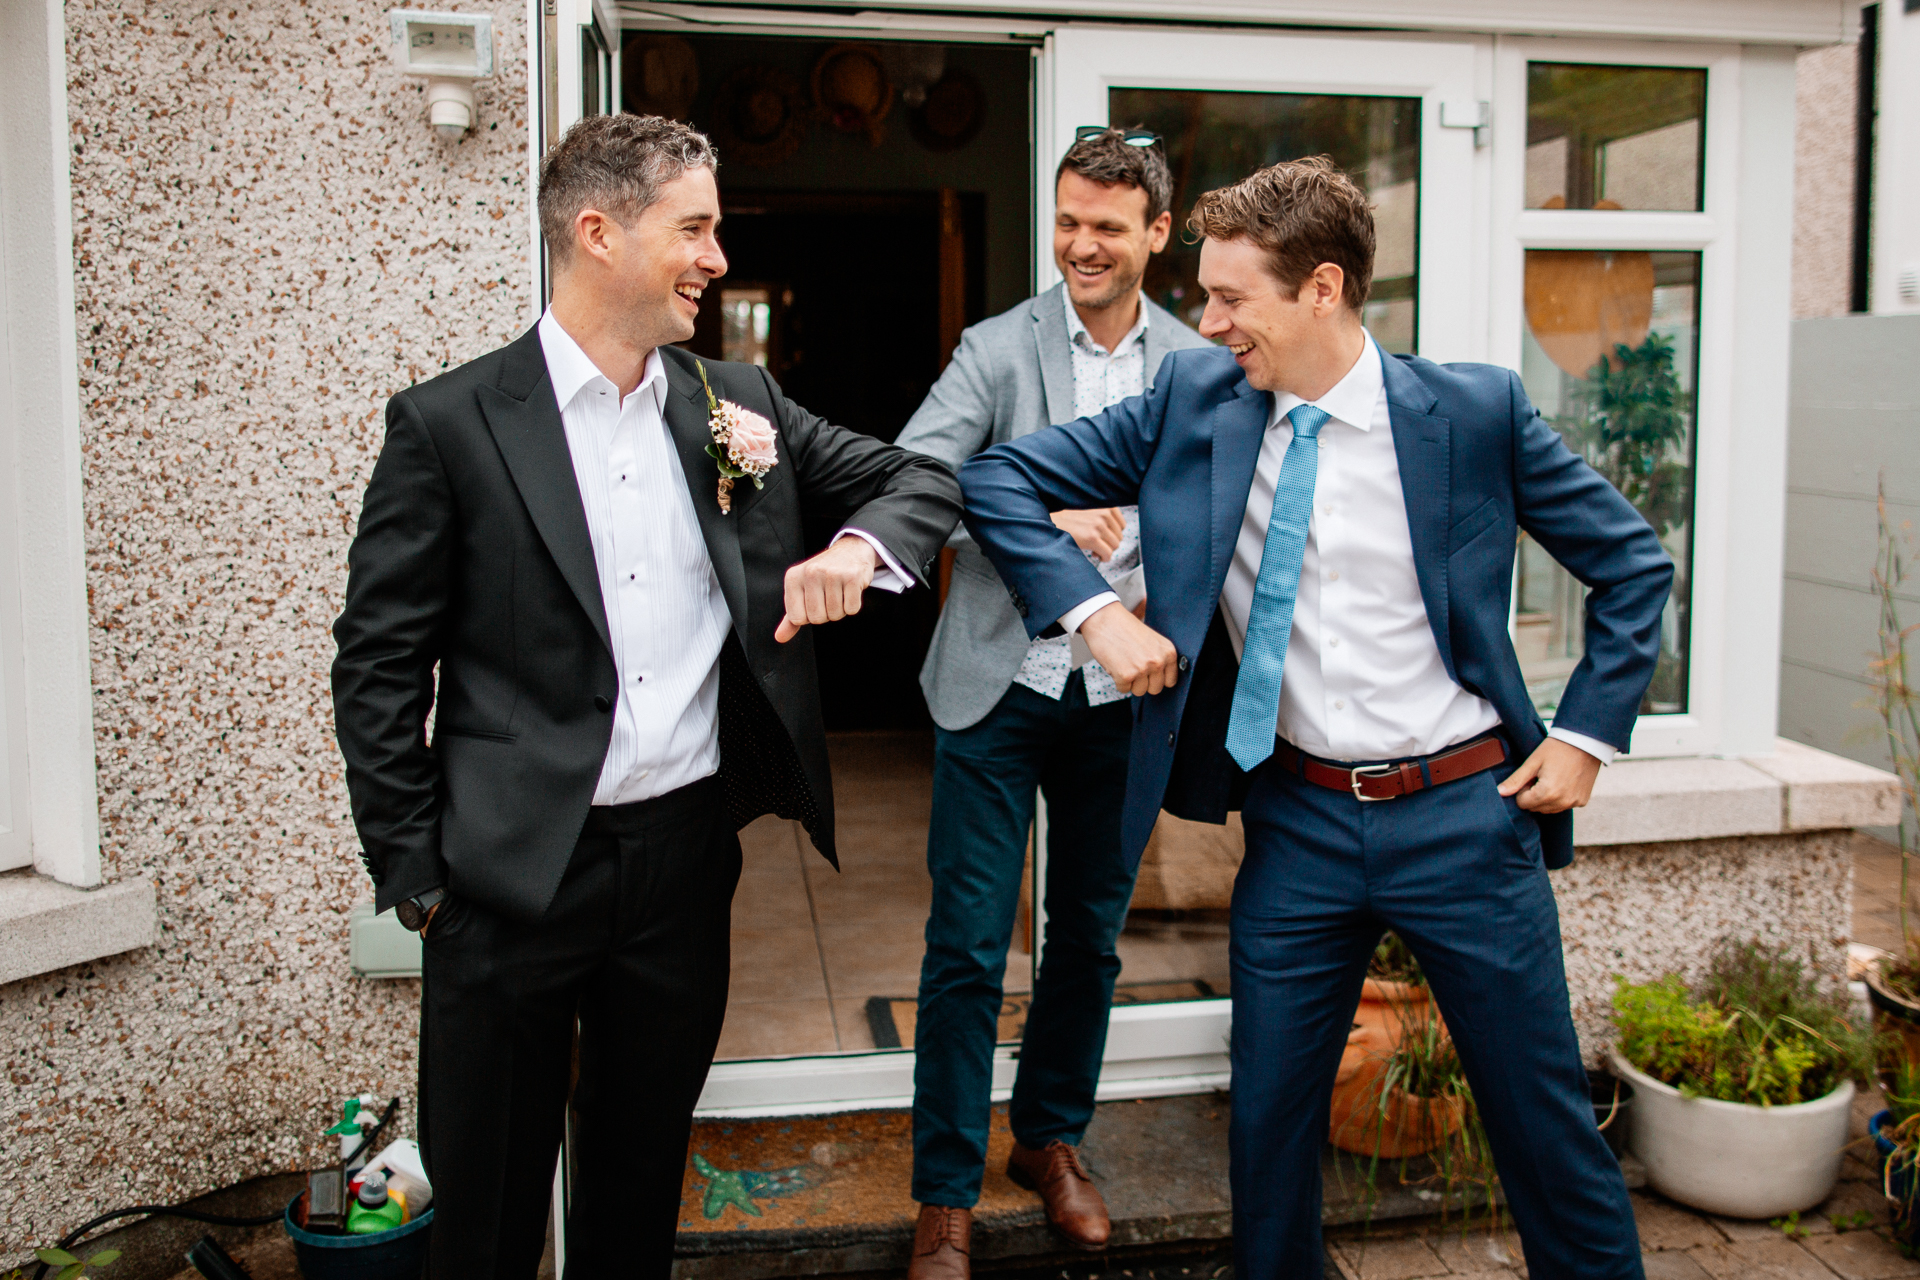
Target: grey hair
x=618 y=165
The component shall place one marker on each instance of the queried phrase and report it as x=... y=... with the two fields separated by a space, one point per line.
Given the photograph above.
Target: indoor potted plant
x=1743 y=1083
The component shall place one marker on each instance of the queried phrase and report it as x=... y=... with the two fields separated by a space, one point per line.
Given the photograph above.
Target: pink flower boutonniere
x=743 y=442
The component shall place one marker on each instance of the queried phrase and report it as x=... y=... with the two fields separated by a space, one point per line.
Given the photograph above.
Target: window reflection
x=746 y=324
x=1609 y=359
x=1215 y=139
x=1603 y=137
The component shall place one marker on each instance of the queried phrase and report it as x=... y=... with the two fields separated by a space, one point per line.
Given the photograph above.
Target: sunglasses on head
x=1132 y=137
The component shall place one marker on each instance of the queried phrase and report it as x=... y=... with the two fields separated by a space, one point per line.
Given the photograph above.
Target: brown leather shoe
x=942 y=1243
x=1074 y=1206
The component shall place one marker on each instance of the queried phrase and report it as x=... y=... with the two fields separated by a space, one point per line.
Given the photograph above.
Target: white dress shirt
x=1100 y=378
x=666 y=615
x=1364 y=679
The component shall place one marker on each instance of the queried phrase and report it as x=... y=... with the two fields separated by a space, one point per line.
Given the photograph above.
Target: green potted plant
x=1896 y=1135
x=1743 y=1083
x=1893 y=982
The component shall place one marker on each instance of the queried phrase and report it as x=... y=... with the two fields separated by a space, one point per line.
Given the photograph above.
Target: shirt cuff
x=1592 y=746
x=890 y=576
x=1070 y=620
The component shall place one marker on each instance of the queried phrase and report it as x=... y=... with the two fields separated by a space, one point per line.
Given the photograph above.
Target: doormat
x=819 y=1177
x=892 y=1018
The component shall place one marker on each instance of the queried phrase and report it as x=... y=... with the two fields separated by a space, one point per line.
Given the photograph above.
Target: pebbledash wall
x=268 y=242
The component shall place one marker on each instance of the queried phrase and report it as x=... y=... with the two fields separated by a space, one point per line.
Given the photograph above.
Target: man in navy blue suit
x=1328 y=534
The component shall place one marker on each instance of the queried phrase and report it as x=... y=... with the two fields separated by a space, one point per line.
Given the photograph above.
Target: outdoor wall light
x=451 y=50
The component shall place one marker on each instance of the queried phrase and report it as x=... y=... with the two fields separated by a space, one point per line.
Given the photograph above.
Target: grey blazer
x=1012 y=375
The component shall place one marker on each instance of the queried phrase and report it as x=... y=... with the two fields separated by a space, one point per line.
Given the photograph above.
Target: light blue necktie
x=1263 y=661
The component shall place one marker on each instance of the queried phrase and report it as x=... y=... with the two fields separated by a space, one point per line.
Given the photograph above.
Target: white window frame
x=559 y=32
x=1744 y=236
x=47 y=684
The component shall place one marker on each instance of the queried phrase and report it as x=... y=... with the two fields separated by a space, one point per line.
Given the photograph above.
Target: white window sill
x=46 y=925
x=1798 y=788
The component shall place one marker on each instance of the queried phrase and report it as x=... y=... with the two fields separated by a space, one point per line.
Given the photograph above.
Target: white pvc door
x=1402 y=116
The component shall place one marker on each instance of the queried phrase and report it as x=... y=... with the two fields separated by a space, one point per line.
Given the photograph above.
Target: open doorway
x=876 y=200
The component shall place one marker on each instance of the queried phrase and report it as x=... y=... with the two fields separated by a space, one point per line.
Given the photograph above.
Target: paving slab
x=1674 y=1265
x=1862 y=1255
x=1475 y=1249
x=1664 y=1225
x=1775 y=1259
x=1408 y=1258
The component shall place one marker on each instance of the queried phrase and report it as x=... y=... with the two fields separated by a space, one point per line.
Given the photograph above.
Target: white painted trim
x=1750 y=567
x=1783 y=22
x=1152 y=1051
x=866 y=25
x=42 y=416
x=536 y=149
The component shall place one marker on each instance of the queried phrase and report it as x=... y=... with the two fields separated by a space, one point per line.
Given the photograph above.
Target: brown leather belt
x=1391 y=781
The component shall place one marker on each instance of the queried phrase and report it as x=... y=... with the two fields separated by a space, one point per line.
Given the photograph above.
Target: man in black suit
x=617 y=620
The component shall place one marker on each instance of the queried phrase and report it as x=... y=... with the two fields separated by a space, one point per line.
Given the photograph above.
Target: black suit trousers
x=635 y=947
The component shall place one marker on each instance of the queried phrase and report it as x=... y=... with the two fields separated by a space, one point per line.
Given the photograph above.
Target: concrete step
x=831 y=1196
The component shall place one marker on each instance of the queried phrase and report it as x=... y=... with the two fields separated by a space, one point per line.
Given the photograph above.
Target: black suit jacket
x=473 y=556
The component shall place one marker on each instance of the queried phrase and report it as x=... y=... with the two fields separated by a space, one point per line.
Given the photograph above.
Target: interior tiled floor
x=811 y=946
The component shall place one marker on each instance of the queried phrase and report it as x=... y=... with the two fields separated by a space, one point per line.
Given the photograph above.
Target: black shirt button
x=1183 y=662
x=1169 y=737
x=602 y=703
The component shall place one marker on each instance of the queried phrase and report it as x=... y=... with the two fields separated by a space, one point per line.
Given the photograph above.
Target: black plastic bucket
x=399 y=1254
x=1612 y=1102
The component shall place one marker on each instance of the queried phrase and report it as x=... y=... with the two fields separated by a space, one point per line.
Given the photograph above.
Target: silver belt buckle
x=1370 y=771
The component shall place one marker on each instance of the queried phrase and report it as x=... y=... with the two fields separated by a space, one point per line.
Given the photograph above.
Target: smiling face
x=649 y=276
x=1283 y=341
x=1102 y=240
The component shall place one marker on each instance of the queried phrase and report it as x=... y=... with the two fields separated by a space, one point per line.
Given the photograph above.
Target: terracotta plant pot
x=1388 y=1013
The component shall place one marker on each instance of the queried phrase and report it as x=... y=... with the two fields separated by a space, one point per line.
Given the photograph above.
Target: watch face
x=410 y=915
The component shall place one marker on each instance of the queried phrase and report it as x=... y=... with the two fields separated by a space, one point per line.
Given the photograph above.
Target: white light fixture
x=451 y=50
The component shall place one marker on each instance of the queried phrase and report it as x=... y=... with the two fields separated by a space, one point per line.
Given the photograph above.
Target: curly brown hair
x=1303 y=213
x=616 y=164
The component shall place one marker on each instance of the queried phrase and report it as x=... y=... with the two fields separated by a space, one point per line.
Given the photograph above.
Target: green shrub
x=1757 y=1030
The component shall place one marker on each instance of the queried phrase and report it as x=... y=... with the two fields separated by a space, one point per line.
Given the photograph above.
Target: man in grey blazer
x=1014 y=716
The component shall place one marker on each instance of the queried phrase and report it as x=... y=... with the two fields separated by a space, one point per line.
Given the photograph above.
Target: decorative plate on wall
x=659 y=76
x=951 y=115
x=760 y=116
x=851 y=90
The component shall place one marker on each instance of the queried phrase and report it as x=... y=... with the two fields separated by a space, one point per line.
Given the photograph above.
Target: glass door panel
x=1214 y=139
x=1226 y=104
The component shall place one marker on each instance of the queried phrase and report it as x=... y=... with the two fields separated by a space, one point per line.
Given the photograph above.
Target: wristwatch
x=413 y=912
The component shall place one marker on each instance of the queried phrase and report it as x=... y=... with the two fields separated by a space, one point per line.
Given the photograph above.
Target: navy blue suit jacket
x=1476 y=462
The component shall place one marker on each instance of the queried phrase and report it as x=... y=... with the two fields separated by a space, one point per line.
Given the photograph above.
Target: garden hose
x=72 y=1238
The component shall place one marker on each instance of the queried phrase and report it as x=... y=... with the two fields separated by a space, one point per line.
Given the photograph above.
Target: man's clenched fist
x=827 y=588
x=1139 y=659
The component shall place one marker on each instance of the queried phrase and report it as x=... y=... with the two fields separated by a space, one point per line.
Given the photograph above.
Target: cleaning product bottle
x=374 y=1209
x=406 y=1175
x=361 y=1114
